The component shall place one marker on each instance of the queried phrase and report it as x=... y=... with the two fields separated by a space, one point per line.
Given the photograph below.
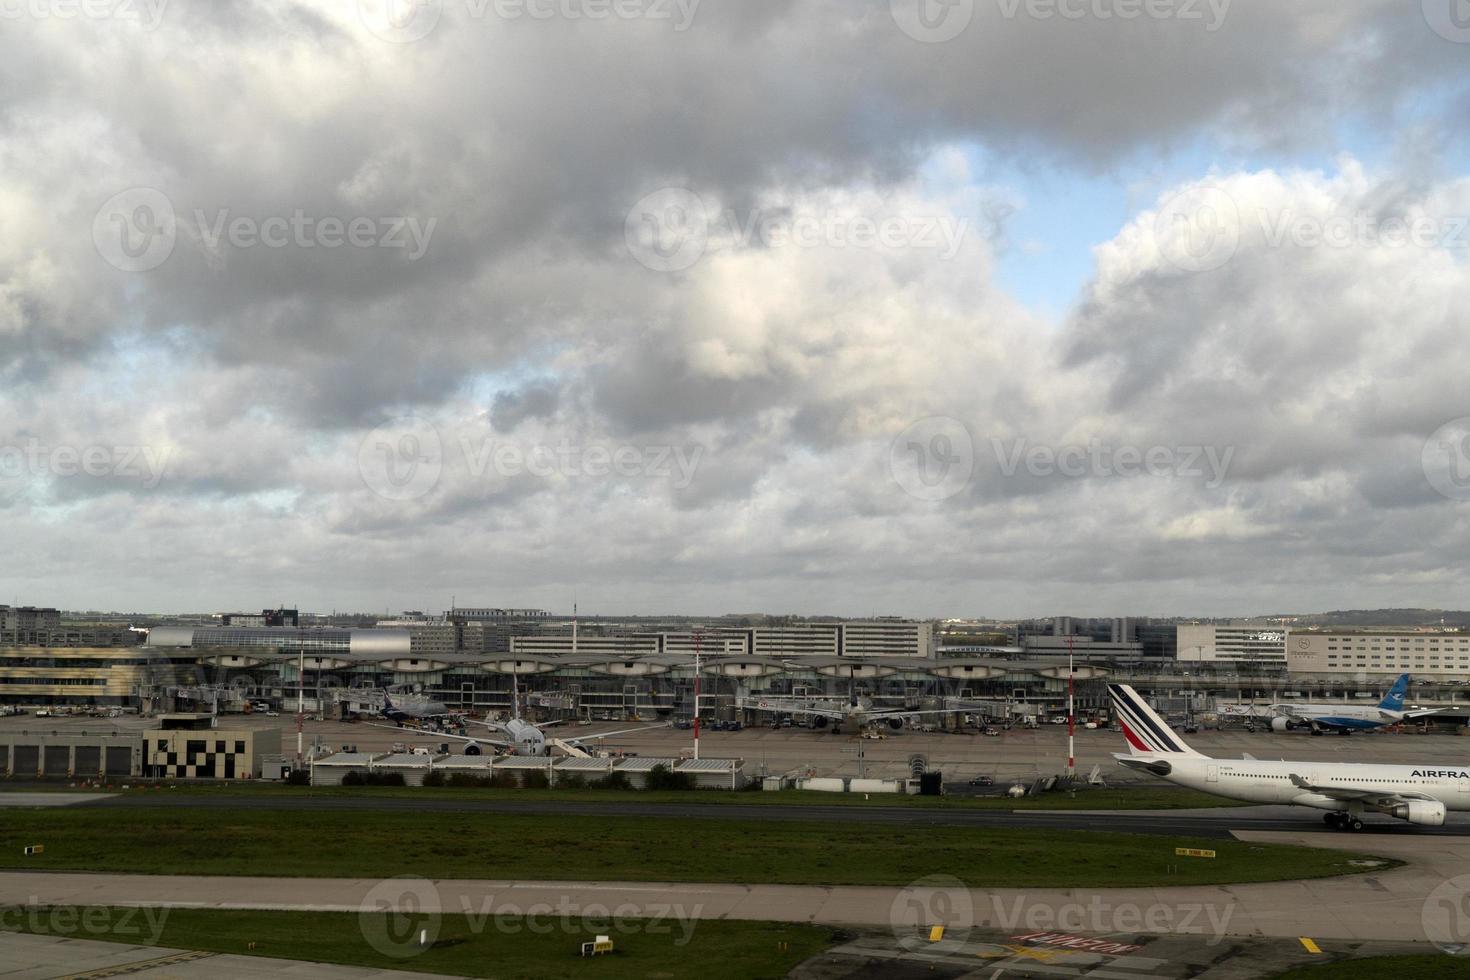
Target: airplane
x=825 y=711
x=416 y=708
x=526 y=739
x=1420 y=795
x=1348 y=718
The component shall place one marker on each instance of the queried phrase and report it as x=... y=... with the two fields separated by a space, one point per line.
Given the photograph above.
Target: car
x=992 y=733
x=983 y=781
x=684 y=724
x=1191 y=729
x=1059 y=720
x=273 y=714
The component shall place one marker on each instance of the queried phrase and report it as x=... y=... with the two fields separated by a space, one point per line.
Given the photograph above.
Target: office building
x=1424 y=653
x=1238 y=643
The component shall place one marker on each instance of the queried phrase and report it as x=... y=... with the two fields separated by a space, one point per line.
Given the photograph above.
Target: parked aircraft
x=526 y=739
x=1349 y=718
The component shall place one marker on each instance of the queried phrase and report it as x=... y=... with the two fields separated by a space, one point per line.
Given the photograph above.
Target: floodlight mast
x=697 y=673
x=1071 y=713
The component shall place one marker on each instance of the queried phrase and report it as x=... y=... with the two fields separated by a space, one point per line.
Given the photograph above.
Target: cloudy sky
x=930 y=307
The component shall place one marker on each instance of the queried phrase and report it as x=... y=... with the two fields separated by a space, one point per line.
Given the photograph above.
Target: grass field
x=1431 y=967
x=1151 y=797
x=371 y=843
x=475 y=946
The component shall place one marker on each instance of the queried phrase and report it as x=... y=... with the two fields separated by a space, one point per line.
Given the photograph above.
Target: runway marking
x=138 y=966
x=1310 y=946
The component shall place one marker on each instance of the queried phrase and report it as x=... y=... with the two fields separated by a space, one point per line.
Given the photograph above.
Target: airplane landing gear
x=1342 y=821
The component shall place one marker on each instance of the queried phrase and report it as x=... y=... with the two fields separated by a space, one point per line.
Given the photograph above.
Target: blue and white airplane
x=1421 y=794
x=1348 y=718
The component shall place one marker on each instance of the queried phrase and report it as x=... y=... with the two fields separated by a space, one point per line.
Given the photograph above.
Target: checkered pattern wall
x=210 y=757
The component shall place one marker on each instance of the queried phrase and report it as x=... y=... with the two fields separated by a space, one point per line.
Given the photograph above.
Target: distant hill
x=1381 y=617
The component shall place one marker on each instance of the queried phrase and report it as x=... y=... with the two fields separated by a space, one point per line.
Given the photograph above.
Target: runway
x=1385 y=906
x=1214 y=822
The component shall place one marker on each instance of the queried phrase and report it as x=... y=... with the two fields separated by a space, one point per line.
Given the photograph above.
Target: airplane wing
x=445 y=735
x=1420 y=713
x=796 y=707
x=1362 y=794
x=623 y=731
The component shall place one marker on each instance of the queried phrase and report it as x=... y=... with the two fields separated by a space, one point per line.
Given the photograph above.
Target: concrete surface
x=50 y=799
x=26 y=957
x=1372 y=906
x=1018 y=754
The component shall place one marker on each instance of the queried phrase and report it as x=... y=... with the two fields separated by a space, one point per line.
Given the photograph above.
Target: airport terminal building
x=646 y=670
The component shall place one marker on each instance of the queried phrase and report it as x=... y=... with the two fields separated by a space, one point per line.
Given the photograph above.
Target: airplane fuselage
x=1262 y=781
x=1360 y=716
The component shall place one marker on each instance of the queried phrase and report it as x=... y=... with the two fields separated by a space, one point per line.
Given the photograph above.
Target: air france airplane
x=1348 y=718
x=1418 y=794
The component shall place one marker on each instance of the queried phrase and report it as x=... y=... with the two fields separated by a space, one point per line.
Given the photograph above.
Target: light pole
x=697 y=673
x=1071 y=714
x=300 y=696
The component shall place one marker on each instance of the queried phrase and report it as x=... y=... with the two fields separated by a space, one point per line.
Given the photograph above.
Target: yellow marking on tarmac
x=1310 y=946
x=138 y=966
x=1025 y=952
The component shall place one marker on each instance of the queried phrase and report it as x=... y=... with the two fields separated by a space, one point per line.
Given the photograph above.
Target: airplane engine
x=472 y=748
x=1280 y=725
x=1426 y=813
x=895 y=723
x=820 y=721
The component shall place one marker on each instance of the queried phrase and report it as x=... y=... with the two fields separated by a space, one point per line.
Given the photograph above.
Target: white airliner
x=824 y=711
x=1348 y=718
x=1418 y=794
x=526 y=739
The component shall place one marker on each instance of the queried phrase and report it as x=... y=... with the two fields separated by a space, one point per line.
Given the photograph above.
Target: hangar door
x=89 y=760
x=119 y=760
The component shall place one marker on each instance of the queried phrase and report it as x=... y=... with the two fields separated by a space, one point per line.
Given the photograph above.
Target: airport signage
x=35 y=849
x=1192 y=852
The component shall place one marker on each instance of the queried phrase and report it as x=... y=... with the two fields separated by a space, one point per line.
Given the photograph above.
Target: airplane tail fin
x=1394 y=699
x=1145 y=732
